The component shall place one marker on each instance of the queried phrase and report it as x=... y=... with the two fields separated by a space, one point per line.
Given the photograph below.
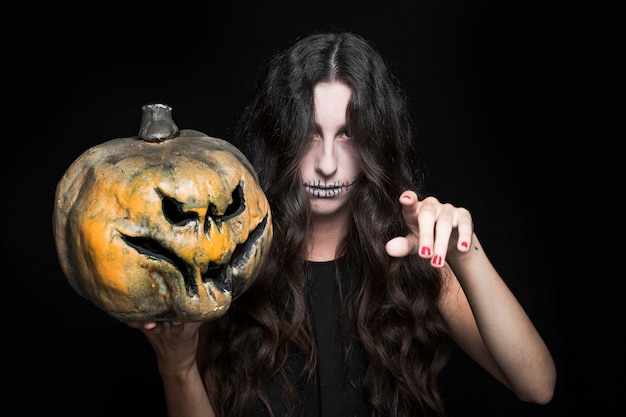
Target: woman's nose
x=327 y=161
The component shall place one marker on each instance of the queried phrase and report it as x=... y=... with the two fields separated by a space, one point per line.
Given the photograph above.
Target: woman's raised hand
x=437 y=230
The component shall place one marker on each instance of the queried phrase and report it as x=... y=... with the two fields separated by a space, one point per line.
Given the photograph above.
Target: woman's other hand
x=437 y=230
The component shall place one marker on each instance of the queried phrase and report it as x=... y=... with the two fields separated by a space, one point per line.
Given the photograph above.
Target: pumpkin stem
x=156 y=123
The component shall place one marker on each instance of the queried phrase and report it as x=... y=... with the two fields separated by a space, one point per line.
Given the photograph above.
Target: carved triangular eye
x=235 y=208
x=174 y=213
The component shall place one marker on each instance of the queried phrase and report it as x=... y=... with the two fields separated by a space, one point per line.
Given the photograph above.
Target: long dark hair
x=391 y=306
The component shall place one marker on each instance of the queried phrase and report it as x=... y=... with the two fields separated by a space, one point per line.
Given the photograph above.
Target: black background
x=487 y=90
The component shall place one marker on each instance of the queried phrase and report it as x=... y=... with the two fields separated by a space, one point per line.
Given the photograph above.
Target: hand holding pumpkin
x=175 y=343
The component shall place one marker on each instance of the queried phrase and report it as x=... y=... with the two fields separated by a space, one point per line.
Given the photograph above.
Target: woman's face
x=329 y=168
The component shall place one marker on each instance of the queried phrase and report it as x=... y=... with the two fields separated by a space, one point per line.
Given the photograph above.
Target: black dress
x=336 y=391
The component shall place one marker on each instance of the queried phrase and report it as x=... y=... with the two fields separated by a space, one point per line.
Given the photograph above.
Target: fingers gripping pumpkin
x=161 y=227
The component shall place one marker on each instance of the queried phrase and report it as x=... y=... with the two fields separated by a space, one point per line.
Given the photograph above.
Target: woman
x=367 y=282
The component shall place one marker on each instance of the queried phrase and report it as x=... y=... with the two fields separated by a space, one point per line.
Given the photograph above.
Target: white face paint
x=329 y=168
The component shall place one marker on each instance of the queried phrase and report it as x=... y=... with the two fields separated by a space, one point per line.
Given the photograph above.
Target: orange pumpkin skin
x=168 y=230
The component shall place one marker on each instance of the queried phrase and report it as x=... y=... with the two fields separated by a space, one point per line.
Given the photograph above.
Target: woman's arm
x=484 y=317
x=175 y=345
x=486 y=320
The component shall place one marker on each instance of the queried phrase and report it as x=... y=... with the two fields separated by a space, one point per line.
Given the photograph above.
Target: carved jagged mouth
x=220 y=274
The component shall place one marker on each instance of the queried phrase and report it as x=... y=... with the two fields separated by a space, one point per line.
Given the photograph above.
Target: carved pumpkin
x=170 y=225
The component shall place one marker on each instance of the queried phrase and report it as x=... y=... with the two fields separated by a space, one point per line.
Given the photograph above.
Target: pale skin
x=483 y=316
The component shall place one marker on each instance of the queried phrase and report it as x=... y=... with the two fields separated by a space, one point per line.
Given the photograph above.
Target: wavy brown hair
x=391 y=306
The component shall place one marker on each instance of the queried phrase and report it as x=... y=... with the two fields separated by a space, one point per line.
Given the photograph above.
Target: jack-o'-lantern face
x=170 y=230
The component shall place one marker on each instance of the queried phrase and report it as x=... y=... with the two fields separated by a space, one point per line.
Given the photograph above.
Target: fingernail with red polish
x=426 y=251
x=436 y=260
x=464 y=244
